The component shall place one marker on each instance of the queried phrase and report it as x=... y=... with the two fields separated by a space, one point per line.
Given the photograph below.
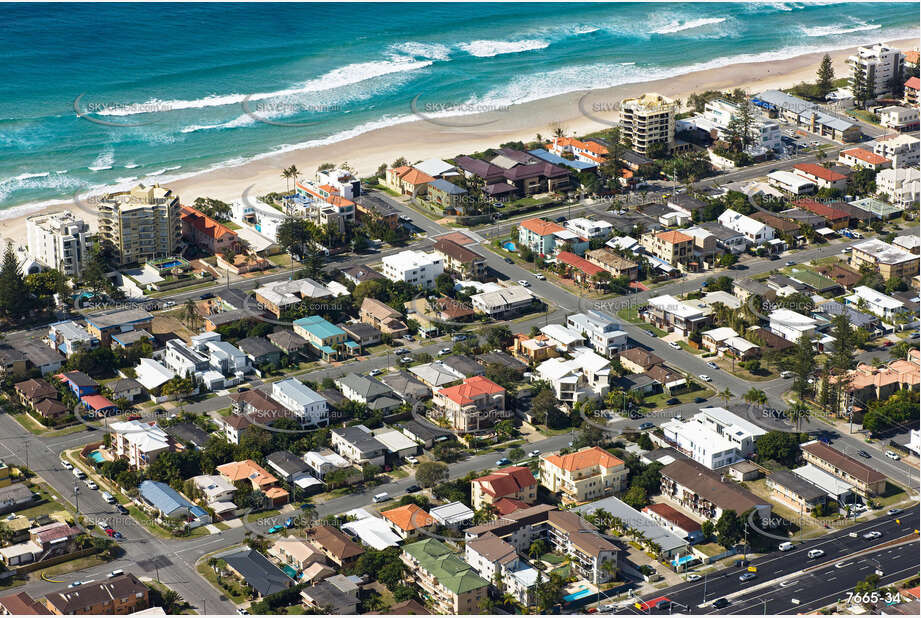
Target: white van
x=786 y=374
x=108 y=497
x=785 y=546
x=381 y=497
x=815 y=553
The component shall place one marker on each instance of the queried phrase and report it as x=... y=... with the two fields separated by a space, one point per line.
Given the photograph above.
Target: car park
x=873 y=534
x=747 y=577
x=705 y=377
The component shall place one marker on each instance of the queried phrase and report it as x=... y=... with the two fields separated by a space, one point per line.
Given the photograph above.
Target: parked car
x=75 y=584
x=206 y=296
x=705 y=377
x=693 y=577
x=864 y=454
x=712 y=365
x=893 y=455
x=121 y=509
x=524 y=283
x=400 y=351
x=747 y=577
x=893 y=511
x=646 y=426
x=509 y=260
x=534 y=453
x=275 y=529
x=700 y=400
x=413 y=489
x=375 y=372
x=444 y=351
x=789 y=263
x=504 y=461
x=674 y=345
x=412 y=460
x=673 y=401
x=873 y=534
x=406 y=359
x=381 y=497
x=91 y=484
x=540 y=277
x=459 y=338
x=67 y=465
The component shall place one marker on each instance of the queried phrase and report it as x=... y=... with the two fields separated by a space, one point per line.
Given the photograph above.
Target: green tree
x=15 y=300
x=803 y=363
x=779 y=446
x=428 y=473
x=798 y=412
x=707 y=528
x=825 y=75
x=636 y=497
x=729 y=529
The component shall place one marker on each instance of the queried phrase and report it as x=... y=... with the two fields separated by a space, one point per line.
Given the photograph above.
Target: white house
x=586 y=228
x=875 y=302
x=603 y=332
x=899 y=118
x=791 y=183
x=741 y=432
x=791 y=325
x=753 y=230
x=151 y=373
x=502 y=301
x=341 y=181
x=564 y=338
x=586 y=376
x=309 y=406
x=415 y=267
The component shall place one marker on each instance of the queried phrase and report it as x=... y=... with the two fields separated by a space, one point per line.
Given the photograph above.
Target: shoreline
x=577 y=112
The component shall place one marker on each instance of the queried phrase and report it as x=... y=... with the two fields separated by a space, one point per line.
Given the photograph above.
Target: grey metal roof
x=369 y=388
x=257 y=346
x=801 y=486
x=262 y=575
x=636 y=520
x=447 y=187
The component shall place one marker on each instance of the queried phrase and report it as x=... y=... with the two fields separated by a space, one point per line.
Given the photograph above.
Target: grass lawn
x=77 y=564
x=28 y=423
x=553 y=558
x=893 y=495
x=398 y=473
x=235 y=593
x=658 y=400
x=710 y=549
x=232 y=225
x=186 y=288
x=262 y=515
x=280 y=259
x=726 y=365
x=810 y=527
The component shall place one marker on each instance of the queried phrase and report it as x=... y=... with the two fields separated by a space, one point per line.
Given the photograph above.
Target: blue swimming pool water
x=170 y=264
x=509 y=246
x=96 y=456
x=289 y=571
x=578 y=594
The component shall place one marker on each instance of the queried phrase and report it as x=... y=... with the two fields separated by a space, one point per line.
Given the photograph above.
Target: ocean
x=112 y=94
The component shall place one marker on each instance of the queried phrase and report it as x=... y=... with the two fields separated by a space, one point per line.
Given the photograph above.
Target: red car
x=133 y=417
x=110 y=531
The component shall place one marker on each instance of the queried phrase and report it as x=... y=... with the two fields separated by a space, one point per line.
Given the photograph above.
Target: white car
x=375 y=372
x=540 y=277
x=524 y=283
x=67 y=465
x=892 y=455
x=444 y=351
x=693 y=577
x=674 y=345
x=705 y=377
x=873 y=534
x=91 y=484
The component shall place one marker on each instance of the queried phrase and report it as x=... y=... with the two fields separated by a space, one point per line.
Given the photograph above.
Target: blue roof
x=351 y=344
x=549 y=157
x=447 y=187
x=166 y=499
x=328 y=350
x=318 y=327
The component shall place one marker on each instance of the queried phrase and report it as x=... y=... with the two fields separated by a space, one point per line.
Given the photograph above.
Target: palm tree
x=755 y=396
x=610 y=567
x=286 y=174
x=190 y=313
x=797 y=412
x=294 y=173
x=725 y=395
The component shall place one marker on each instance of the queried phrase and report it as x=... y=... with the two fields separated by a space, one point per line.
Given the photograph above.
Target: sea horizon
x=259 y=80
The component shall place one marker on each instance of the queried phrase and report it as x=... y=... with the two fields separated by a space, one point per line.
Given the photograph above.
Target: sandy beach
x=577 y=113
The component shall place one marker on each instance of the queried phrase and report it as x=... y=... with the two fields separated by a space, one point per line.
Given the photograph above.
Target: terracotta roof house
x=407 y=180
x=579 y=269
x=259 y=477
x=504 y=506
x=335 y=545
x=783 y=226
x=411 y=607
x=407 y=520
x=199 y=228
x=459 y=259
x=844 y=277
x=823 y=177
x=638 y=360
x=118 y=595
x=836 y=219
x=476 y=403
x=861 y=157
x=22 y=604
x=673 y=520
x=512 y=482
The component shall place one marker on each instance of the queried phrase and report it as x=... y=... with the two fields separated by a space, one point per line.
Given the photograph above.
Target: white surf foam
x=487 y=49
x=680 y=26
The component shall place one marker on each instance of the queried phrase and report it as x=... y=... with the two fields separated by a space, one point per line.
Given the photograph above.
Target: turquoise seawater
x=180 y=88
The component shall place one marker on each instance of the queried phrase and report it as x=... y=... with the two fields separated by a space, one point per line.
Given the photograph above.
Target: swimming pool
x=509 y=246
x=96 y=456
x=578 y=594
x=170 y=264
x=289 y=571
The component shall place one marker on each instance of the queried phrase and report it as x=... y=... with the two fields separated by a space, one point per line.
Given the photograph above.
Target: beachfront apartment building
x=912 y=85
x=888 y=260
x=415 y=267
x=59 y=240
x=648 y=120
x=904 y=149
x=588 y=474
x=880 y=65
x=141 y=224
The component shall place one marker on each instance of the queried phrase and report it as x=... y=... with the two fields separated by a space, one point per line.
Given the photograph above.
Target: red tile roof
x=674 y=516
x=832 y=214
x=409 y=517
x=205 y=224
x=819 y=172
x=674 y=237
x=586 y=458
x=579 y=263
x=506 y=481
x=97 y=402
x=541 y=227
x=914 y=83
x=466 y=393
x=865 y=155
x=509 y=505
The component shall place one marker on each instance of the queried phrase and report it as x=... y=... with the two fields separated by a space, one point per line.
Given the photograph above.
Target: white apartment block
x=879 y=64
x=59 y=241
x=648 y=120
x=753 y=230
x=901 y=185
x=138 y=442
x=877 y=303
x=701 y=443
x=740 y=432
x=603 y=332
x=790 y=182
x=903 y=150
x=899 y=118
x=342 y=181
x=308 y=405
x=765 y=133
x=586 y=228
x=791 y=325
x=415 y=267
x=140 y=224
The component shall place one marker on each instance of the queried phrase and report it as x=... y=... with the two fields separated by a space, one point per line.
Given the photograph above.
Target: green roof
x=813 y=280
x=440 y=562
x=318 y=327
